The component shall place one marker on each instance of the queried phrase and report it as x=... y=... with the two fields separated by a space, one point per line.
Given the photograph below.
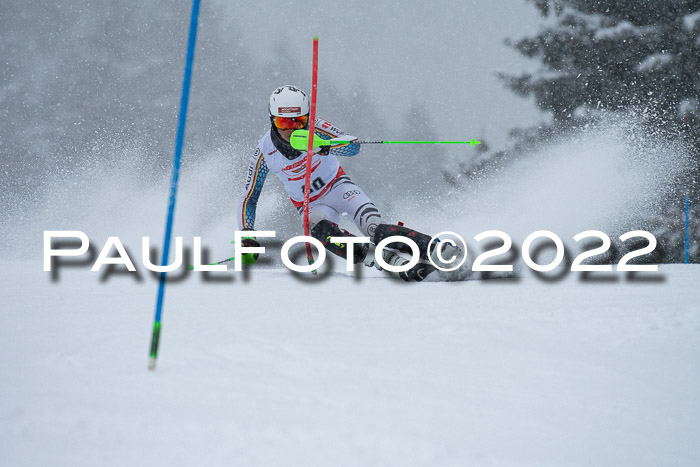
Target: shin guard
x=325 y=229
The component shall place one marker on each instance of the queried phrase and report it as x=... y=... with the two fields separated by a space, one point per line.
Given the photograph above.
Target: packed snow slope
x=271 y=370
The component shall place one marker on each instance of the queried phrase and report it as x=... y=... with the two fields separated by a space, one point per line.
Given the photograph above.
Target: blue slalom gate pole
x=687 y=229
x=182 y=119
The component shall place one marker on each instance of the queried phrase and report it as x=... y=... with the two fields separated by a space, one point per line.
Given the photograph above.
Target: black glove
x=250 y=242
x=324 y=150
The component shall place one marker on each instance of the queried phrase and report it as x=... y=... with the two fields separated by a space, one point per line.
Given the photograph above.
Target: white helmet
x=288 y=101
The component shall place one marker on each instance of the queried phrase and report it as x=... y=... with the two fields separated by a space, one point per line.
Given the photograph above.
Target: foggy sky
x=444 y=54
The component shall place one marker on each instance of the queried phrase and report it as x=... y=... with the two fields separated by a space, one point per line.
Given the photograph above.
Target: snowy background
x=557 y=370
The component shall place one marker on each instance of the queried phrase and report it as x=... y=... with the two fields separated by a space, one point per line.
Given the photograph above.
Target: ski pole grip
x=250 y=258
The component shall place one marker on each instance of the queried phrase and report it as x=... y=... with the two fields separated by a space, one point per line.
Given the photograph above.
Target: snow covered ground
x=277 y=371
x=273 y=370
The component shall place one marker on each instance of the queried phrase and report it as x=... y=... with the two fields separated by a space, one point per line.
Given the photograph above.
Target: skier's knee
x=325 y=229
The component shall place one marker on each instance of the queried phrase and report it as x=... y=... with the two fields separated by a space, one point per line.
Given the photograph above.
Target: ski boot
x=424 y=267
x=418 y=272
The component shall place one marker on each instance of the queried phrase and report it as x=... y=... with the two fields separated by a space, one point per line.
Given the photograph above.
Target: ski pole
x=471 y=142
x=300 y=138
x=247 y=258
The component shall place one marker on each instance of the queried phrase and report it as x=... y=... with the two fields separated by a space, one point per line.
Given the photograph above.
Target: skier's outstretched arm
x=326 y=130
x=248 y=202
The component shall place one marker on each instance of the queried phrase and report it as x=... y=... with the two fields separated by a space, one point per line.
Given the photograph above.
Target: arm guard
x=248 y=202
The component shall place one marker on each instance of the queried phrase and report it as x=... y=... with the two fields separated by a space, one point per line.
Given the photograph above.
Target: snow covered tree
x=616 y=54
x=634 y=56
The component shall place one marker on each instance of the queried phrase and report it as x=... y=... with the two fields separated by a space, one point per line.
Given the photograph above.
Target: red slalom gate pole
x=310 y=150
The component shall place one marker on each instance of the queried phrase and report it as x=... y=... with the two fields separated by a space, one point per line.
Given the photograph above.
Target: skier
x=332 y=192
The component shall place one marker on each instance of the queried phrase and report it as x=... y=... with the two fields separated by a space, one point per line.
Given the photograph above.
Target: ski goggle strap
x=291 y=123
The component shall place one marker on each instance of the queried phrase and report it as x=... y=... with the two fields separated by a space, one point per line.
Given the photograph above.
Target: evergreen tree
x=631 y=55
x=616 y=54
